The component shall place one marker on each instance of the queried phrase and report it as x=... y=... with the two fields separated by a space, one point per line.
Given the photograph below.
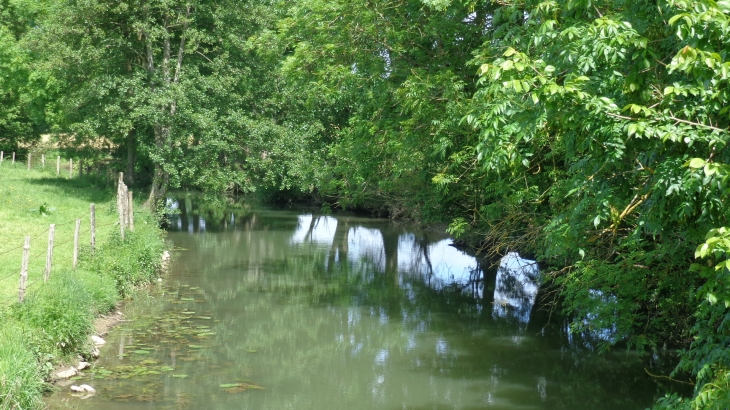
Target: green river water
x=276 y=310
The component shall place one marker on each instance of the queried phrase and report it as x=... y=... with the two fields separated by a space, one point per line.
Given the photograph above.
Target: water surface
x=283 y=310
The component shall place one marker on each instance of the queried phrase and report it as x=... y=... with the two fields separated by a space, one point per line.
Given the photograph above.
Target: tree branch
x=697 y=124
x=166 y=53
x=679 y=120
x=181 y=49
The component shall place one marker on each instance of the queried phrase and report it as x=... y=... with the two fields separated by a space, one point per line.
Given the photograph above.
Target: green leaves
x=695 y=163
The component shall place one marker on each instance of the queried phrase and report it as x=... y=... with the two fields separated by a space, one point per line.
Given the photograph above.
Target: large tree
x=181 y=84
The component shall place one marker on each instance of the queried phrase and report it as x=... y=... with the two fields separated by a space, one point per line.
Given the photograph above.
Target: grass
x=54 y=322
x=32 y=200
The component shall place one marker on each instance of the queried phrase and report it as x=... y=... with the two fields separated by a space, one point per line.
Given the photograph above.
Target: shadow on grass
x=88 y=188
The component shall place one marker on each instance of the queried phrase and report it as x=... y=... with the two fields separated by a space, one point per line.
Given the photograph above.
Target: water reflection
x=516 y=288
x=330 y=312
x=438 y=263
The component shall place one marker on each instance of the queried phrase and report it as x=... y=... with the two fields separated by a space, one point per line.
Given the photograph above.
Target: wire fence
x=39 y=160
x=43 y=251
x=63 y=167
x=57 y=244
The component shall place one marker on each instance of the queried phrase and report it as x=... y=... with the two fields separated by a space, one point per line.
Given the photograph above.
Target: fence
x=62 y=238
x=28 y=160
x=64 y=167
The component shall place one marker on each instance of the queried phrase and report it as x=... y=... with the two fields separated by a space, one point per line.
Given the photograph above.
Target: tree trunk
x=160 y=178
x=131 y=157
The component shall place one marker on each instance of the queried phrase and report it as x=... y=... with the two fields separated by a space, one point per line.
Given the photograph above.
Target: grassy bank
x=55 y=320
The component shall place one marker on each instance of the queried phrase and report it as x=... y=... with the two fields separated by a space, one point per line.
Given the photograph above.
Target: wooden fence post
x=43 y=160
x=93 y=228
x=76 y=242
x=2 y=156
x=125 y=205
x=71 y=168
x=58 y=166
x=121 y=204
x=29 y=154
x=130 y=210
x=13 y=158
x=24 y=270
x=49 y=254
x=119 y=192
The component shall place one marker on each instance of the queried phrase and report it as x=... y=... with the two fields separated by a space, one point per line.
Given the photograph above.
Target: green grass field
x=32 y=200
x=54 y=322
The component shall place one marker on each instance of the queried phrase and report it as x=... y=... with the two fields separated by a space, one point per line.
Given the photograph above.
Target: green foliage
x=386 y=82
x=132 y=262
x=43 y=210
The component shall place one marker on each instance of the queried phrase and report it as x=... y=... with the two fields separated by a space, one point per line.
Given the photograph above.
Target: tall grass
x=54 y=322
x=20 y=383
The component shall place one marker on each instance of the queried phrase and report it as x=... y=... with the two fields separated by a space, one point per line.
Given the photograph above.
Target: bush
x=134 y=261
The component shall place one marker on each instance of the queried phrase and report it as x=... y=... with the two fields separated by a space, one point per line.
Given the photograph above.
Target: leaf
x=723 y=5
x=229 y=385
x=507 y=65
x=179 y=376
x=696 y=163
x=632 y=129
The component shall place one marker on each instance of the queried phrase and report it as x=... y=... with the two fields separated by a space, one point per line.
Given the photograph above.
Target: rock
x=98 y=341
x=65 y=374
x=77 y=388
x=64 y=383
x=88 y=388
x=165 y=260
x=95 y=353
x=82 y=365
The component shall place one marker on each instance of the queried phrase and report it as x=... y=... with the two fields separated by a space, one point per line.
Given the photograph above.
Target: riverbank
x=53 y=324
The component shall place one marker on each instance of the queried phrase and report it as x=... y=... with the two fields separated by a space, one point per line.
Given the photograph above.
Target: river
x=278 y=309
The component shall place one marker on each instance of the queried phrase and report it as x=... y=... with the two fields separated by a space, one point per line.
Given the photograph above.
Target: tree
x=177 y=82
x=21 y=89
x=386 y=81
